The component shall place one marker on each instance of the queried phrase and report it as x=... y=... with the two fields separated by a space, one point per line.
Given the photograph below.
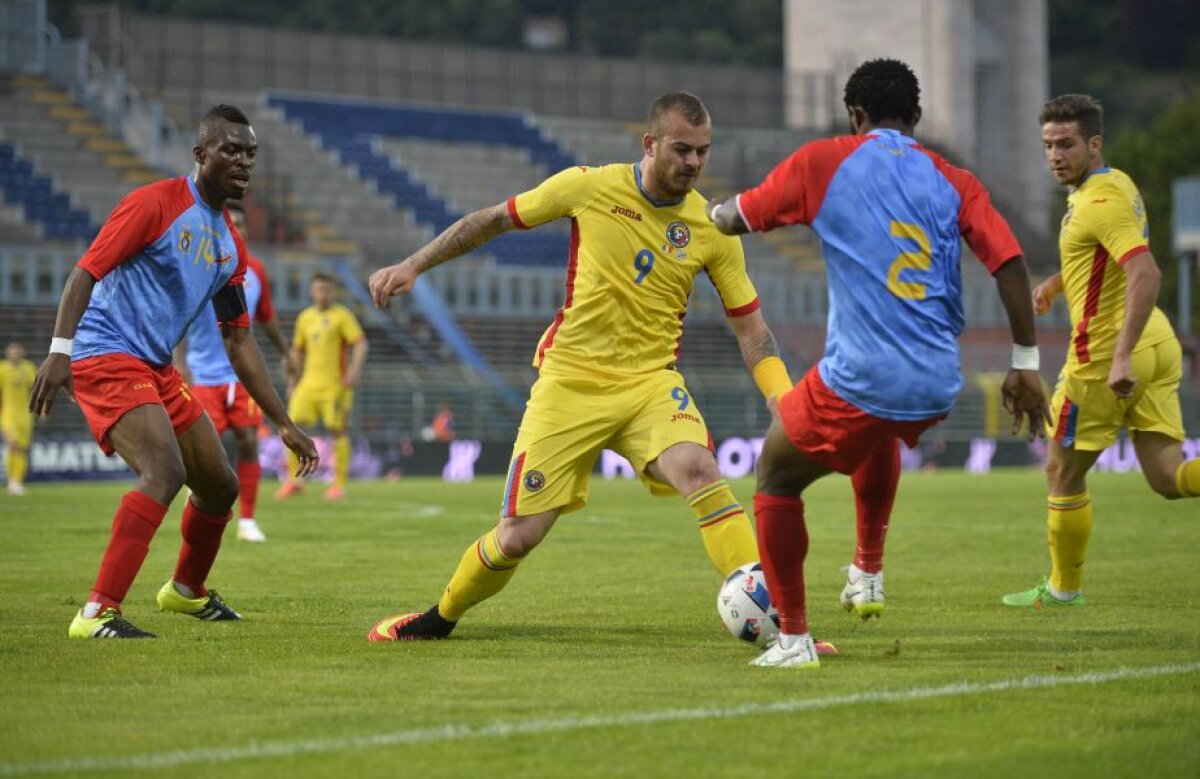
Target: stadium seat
x=350 y=129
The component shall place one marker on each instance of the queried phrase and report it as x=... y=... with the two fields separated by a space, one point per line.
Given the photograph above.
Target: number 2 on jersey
x=643 y=263
x=919 y=260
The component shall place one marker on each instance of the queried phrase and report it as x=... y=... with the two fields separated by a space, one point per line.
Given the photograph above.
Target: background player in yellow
x=16 y=421
x=330 y=345
x=1124 y=362
x=607 y=376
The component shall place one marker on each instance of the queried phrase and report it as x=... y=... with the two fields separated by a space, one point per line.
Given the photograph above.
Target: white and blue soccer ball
x=744 y=605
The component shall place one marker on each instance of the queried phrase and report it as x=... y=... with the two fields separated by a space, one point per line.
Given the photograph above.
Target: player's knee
x=519 y=536
x=166 y=474
x=773 y=480
x=698 y=474
x=247 y=444
x=1054 y=471
x=1164 y=484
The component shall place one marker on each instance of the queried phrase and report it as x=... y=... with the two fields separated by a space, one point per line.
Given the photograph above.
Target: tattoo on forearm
x=755 y=350
x=468 y=233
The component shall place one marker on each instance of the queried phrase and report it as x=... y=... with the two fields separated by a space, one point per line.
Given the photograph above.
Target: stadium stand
x=56 y=147
x=352 y=129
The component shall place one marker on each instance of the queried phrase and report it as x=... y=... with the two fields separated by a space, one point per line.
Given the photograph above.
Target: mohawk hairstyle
x=885 y=89
x=1084 y=109
x=215 y=116
x=686 y=103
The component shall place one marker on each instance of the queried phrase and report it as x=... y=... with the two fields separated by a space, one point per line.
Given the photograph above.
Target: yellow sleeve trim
x=771 y=376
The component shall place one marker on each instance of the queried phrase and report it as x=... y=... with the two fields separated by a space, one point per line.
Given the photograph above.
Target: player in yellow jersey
x=330 y=345
x=1124 y=362
x=607 y=374
x=16 y=422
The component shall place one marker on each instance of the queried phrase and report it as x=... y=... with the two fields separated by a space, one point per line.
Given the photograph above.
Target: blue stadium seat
x=349 y=129
x=41 y=204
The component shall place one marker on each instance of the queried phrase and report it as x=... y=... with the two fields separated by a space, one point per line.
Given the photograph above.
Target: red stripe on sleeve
x=749 y=308
x=138 y=220
x=513 y=215
x=1129 y=255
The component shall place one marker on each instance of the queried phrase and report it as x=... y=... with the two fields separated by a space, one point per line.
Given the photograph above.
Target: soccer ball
x=745 y=606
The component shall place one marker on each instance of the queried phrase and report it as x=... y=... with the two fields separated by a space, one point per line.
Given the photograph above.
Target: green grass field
x=604 y=657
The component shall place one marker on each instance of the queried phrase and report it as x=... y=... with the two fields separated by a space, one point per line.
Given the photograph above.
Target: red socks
x=782 y=547
x=248 y=475
x=137 y=518
x=874 y=493
x=201 y=541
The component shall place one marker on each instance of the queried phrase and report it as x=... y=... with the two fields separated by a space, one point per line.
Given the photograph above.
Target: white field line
x=453 y=732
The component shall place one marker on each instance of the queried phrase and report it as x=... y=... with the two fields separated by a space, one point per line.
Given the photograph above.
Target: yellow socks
x=1187 y=478
x=1070 y=526
x=724 y=527
x=18 y=465
x=482 y=572
x=341 y=460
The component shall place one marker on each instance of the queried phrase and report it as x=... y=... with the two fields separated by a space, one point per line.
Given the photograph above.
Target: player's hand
x=1121 y=379
x=1044 y=294
x=300 y=444
x=392 y=280
x=1025 y=400
x=55 y=374
x=351 y=379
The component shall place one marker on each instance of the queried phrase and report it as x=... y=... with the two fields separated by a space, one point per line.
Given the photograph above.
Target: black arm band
x=229 y=303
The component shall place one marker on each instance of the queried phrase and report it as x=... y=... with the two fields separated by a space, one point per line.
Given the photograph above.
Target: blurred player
x=891 y=216
x=1124 y=363
x=16 y=423
x=205 y=366
x=607 y=374
x=325 y=331
x=164 y=253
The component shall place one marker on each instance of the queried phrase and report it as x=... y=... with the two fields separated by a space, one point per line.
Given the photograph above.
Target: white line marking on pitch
x=452 y=732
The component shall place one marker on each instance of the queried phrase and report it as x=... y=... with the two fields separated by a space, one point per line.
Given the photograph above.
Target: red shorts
x=228 y=405
x=836 y=434
x=109 y=386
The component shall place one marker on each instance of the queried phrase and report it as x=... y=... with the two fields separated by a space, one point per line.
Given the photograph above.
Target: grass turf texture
x=613 y=617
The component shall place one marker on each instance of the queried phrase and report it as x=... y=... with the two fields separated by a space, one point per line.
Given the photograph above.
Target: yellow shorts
x=17 y=431
x=570 y=420
x=1086 y=415
x=329 y=405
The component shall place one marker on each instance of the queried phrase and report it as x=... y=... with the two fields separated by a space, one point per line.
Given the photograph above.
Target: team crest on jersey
x=678 y=234
x=1066 y=220
x=185 y=240
x=535 y=480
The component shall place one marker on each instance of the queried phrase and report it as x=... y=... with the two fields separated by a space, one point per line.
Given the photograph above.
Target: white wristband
x=61 y=346
x=1025 y=358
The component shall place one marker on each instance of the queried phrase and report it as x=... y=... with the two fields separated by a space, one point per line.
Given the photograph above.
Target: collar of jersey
x=1091 y=173
x=201 y=201
x=908 y=139
x=637 y=176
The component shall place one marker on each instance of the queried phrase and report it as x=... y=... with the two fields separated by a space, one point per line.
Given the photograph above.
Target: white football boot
x=800 y=654
x=248 y=530
x=863 y=593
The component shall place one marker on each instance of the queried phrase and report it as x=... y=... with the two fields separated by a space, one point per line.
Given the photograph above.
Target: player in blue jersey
x=890 y=215
x=166 y=253
x=204 y=364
